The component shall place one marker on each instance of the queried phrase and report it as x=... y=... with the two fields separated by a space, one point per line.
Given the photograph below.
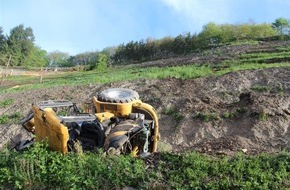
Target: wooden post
x=7 y=65
x=41 y=75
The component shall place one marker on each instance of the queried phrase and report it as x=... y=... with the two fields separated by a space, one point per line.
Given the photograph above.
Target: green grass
x=263 y=116
x=243 y=42
x=174 y=112
x=195 y=171
x=13 y=118
x=6 y=102
x=228 y=115
x=261 y=57
x=260 y=88
x=264 y=55
x=4 y=119
x=129 y=74
x=39 y=168
x=250 y=66
x=205 y=116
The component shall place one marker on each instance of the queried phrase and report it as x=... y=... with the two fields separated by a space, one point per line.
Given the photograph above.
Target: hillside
x=245 y=110
x=255 y=52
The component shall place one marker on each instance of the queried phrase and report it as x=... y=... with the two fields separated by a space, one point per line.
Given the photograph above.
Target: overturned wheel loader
x=122 y=123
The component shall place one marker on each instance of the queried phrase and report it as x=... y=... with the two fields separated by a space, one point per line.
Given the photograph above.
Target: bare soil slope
x=243 y=111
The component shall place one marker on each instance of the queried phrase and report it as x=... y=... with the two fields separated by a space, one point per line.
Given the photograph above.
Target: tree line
x=19 y=48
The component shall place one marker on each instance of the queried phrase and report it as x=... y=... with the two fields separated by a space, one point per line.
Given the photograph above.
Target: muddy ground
x=245 y=111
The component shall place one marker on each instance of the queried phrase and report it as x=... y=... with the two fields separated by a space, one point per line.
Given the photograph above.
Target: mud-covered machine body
x=121 y=123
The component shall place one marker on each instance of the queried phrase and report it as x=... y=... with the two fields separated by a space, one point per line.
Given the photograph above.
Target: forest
x=18 y=48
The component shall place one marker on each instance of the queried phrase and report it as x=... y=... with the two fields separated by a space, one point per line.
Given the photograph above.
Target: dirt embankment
x=243 y=111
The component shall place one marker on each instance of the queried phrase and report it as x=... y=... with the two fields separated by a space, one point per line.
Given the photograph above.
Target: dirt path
x=244 y=111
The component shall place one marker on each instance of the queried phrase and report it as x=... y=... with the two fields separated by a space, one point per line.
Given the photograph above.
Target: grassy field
x=129 y=73
x=40 y=168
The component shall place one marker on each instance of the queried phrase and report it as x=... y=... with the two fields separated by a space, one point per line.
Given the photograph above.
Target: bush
x=40 y=168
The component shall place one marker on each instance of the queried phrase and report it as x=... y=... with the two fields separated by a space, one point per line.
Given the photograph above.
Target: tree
x=3 y=42
x=39 y=58
x=210 y=35
x=3 y=48
x=58 y=59
x=282 y=25
x=102 y=62
x=87 y=58
x=20 y=45
x=261 y=31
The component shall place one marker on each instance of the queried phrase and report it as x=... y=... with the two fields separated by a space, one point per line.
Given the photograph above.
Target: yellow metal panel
x=49 y=128
x=118 y=109
x=104 y=116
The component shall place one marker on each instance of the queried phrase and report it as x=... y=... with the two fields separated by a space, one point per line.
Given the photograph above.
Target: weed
x=6 y=102
x=40 y=168
x=174 y=112
x=206 y=116
x=228 y=115
x=4 y=119
x=260 y=88
x=126 y=73
x=195 y=171
x=14 y=118
x=263 y=116
x=280 y=89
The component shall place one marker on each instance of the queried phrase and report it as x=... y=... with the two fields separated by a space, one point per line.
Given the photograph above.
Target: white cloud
x=200 y=12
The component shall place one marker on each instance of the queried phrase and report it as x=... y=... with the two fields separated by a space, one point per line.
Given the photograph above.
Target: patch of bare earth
x=245 y=111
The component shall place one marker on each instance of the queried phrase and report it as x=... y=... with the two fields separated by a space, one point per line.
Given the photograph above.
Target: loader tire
x=118 y=95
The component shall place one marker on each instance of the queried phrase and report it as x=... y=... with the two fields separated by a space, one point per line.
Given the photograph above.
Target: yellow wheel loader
x=121 y=124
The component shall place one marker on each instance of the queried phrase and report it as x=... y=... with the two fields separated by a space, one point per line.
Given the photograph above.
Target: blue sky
x=76 y=26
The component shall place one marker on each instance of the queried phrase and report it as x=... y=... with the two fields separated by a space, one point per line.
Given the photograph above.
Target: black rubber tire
x=118 y=95
x=93 y=134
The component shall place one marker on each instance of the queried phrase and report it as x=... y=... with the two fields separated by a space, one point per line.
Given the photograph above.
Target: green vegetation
x=194 y=171
x=212 y=35
x=233 y=114
x=129 y=73
x=175 y=113
x=263 y=116
x=39 y=168
x=280 y=89
x=206 y=116
x=18 y=48
x=228 y=115
x=102 y=62
x=3 y=119
x=281 y=55
x=282 y=25
x=13 y=118
x=259 y=88
x=6 y=102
